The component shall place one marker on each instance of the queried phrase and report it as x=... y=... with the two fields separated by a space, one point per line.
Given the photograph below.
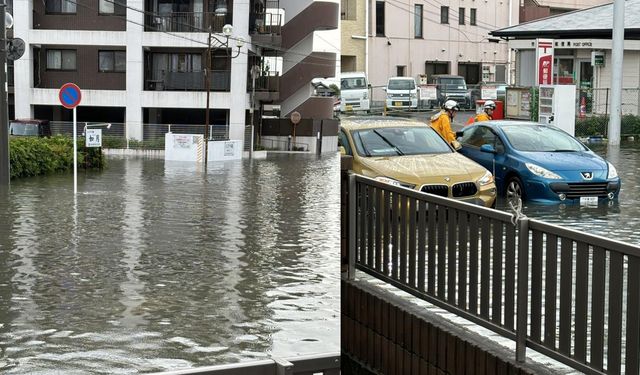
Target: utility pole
x=5 y=173
x=617 y=48
x=208 y=87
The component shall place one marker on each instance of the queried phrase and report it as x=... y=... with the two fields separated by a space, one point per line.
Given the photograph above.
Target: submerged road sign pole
x=70 y=97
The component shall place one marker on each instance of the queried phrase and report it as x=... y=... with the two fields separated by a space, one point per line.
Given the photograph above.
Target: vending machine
x=557 y=106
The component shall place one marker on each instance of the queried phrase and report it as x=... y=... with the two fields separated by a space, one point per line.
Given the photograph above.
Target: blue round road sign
x=70 y=95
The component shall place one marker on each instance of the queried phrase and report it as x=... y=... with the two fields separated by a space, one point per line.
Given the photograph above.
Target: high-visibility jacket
x=442 y=124
x=479 y=117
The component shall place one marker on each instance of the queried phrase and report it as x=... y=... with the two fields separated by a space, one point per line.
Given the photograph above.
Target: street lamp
x=106 y=125
x=227 y=30
x=5 y=173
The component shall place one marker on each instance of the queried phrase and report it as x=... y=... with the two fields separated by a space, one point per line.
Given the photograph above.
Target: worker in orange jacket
x=441 y=121
x=486 y=115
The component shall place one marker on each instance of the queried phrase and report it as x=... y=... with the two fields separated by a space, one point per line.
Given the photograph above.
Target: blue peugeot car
x=539 y=163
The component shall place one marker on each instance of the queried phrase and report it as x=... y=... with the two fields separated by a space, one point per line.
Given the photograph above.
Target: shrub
x=32 y=156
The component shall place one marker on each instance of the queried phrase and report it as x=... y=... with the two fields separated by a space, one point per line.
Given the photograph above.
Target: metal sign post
x=70 y=97
x=295 y=120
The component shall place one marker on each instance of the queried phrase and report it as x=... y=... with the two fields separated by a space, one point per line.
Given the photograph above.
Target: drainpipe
x=366 y=40
x=509 y=53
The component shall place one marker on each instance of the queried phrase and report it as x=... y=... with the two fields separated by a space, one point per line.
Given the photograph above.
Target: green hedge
x=32 y=156
x=597 y=125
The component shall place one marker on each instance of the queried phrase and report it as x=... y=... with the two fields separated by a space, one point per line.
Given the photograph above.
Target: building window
x=417 y=21
x=348 y=10
x=112 y=61
x=472 y=17
x=461 y=16
x=436 y=67
x=401 y=70
x=379 y=18
x=60 y=6
x=61 y=59
x=444 y=14
x=116 y=7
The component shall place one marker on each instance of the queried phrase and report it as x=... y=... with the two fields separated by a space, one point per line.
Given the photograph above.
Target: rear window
x=453 y=83
x=18 y=128
x=401 y=84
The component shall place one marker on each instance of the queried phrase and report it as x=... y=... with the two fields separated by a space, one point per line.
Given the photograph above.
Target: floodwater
x=618 y=220
x=158 y=266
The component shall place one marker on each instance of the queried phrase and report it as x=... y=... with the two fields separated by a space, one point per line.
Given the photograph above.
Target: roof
x=364 y=122
x=593 y=22
x=352 y=74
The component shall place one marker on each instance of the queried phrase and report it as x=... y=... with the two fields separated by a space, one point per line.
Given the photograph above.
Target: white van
x=402 y=92
x=354 y=92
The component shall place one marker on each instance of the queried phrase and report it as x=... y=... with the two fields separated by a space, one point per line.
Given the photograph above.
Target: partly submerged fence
x=572 y=296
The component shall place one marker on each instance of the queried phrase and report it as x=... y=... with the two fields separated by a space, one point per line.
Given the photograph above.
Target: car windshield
x=17 y=128
x=399 y=141
x=401 y=84
x=454 y=83
x=540 y=138
x=353 y=83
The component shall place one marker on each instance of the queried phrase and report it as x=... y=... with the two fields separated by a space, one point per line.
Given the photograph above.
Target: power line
x=173 y=34
x=197 y=29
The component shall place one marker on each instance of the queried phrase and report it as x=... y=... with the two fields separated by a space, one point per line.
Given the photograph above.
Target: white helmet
x=451 y=105
x=489 y=104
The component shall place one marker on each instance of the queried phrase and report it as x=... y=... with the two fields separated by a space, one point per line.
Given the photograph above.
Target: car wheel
x=514 y=189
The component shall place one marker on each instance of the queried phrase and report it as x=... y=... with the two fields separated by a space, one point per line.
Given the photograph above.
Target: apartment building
x=417 y=37
x=143 y=62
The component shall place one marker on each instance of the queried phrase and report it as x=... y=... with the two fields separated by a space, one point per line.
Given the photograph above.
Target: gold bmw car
x=405 y=152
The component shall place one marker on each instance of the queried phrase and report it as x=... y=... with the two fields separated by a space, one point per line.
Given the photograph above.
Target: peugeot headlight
x=539 y=171
x=393 y=182
x=613 y=172
x=486 y=179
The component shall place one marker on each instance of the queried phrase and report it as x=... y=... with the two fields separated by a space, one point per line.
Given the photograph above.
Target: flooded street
x=158 y=266
x=619 y=220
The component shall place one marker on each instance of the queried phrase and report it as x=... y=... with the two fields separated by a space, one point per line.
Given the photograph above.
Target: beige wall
x=349 y=28
x=442 y=42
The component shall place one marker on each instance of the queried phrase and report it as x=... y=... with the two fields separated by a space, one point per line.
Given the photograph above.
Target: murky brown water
x=158 y=266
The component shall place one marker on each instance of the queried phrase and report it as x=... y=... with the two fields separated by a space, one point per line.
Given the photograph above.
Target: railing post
x=522 y=312
x=351 y=208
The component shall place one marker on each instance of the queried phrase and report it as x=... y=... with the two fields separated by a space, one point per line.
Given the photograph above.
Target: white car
x=402 y=92
x=354 y=92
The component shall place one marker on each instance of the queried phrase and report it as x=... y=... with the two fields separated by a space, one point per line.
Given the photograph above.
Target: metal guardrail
x=327 y=364
x=572 y=296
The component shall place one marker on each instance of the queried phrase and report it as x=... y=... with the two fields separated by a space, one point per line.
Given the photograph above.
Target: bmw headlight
x=542 y=172
x=613 y=172
x=486 y=179
x=393 y=182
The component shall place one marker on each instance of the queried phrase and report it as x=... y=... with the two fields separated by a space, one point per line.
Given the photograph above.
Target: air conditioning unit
x=488 y=69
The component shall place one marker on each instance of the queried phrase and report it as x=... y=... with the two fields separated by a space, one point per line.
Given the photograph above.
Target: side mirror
x=369 y=86
x=459 y=134
x=488 y=148
x=342 y=150
x=384 y=88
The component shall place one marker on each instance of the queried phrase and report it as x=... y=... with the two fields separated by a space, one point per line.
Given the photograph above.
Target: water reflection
x=161 y=267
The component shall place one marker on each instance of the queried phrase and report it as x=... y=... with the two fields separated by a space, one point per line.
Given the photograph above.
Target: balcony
x=189 y=81
x=187 y=22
